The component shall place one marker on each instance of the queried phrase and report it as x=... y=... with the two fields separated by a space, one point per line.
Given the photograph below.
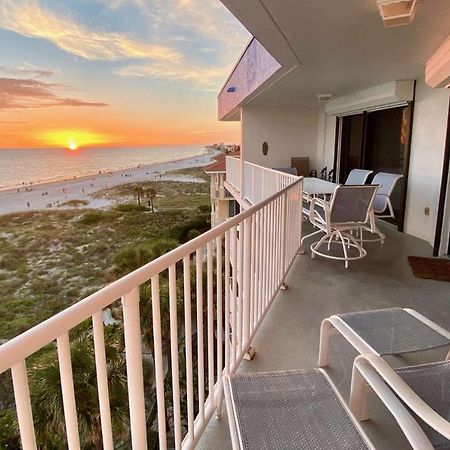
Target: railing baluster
x=200 y=357
x=246 y=290
x=210 y=318
x=23 y=405
x=257 y=248
x=102 y=379
x=239 y=315
x=133 y=351
x=159 y=369
x=174 y=355
x=252 y=274
x=260 y=275
x=265 y=258
x=227 y=302
x=68 y=394
x=234 y=295
x=219 y=320
x=188 y=338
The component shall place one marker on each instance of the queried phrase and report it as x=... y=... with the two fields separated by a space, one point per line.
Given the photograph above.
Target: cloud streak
x=206 y=77
x=33 y=72
x=32 y=20
x=18 y=93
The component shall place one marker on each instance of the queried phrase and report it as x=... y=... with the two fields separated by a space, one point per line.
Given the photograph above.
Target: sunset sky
x=114 y=72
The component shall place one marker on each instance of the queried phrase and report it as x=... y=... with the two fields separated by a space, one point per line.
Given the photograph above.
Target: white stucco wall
x=289 y=131
x=427 y=153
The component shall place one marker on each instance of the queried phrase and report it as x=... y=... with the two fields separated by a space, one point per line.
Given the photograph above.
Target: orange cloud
x=26 y=93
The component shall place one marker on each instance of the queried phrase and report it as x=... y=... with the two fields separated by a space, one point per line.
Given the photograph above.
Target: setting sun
x=72 y=139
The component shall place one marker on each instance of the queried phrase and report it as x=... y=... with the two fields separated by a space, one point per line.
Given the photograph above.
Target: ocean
x=25 y=166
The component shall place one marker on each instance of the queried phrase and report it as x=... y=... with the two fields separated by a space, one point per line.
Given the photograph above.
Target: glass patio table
x=314 y=187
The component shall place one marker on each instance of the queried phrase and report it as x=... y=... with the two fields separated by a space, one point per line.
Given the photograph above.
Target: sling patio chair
x=358 y=176
x=350 y=208
x=382 y=332
x=302 y=409
x=382 y=205
x=424 y=389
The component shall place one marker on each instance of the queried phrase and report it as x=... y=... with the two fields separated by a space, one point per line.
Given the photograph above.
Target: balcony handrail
x=246 y=260
x=47 y=331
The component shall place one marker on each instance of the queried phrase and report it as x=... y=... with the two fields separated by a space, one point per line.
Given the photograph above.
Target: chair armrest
x=403 y=391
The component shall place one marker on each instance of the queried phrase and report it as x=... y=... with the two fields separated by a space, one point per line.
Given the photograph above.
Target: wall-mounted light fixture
x=397 y=12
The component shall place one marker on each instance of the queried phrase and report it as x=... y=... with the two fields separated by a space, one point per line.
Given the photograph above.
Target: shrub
x=130 y=207
x=128 y=259
x=91 y=218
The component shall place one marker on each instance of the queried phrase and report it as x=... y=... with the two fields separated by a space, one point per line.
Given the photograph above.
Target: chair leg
x=344 y=247
x=319 y=243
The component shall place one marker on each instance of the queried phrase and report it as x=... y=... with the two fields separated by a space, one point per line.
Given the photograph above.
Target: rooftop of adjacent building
x=219 y=165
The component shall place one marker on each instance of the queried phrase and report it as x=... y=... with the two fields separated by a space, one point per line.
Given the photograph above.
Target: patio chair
x=358 y=176
x=391 y=331
x=302 y=409
x=382 y=204
x=424 y=389
x=349 y=209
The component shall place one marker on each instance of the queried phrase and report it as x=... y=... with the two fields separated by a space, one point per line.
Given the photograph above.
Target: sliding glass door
x=378 y=141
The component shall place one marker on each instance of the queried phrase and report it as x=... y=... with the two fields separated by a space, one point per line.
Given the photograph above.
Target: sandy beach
x=54 y=194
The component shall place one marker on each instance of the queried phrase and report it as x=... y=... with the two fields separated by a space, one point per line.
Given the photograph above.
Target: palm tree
x=46 y=397
x=151 y=194
x=138 y=193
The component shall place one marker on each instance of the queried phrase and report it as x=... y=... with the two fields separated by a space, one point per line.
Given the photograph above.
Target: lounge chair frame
x=365 y=370
x=336 y=325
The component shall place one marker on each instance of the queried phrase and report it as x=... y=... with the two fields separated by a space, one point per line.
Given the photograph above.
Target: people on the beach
x=28 y=204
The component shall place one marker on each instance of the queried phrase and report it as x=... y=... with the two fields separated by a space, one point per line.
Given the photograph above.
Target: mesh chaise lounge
x=382 y=332
x=301 y=409
x=424 y=389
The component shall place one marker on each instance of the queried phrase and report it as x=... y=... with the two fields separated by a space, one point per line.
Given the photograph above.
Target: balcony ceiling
x=339 y=46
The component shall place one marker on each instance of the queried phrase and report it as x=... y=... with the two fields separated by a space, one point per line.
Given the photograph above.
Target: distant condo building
x=223 y=205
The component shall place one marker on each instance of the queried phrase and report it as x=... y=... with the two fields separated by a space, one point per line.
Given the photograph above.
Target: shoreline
x=38 y=183
x=54 y=194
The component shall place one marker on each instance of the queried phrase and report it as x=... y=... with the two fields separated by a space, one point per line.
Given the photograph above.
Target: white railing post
x=246 y=291
x=174 y=355
x=133 y=351
x=102 y=380
x=68 y=393
x=283 y=232
x=23 y=406
x=159 y=369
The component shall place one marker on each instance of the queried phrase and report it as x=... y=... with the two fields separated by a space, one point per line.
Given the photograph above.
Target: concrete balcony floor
x=318 y=288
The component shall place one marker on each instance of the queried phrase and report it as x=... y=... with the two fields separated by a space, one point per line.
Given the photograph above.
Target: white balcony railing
x=259 y=182
x=237 y=269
